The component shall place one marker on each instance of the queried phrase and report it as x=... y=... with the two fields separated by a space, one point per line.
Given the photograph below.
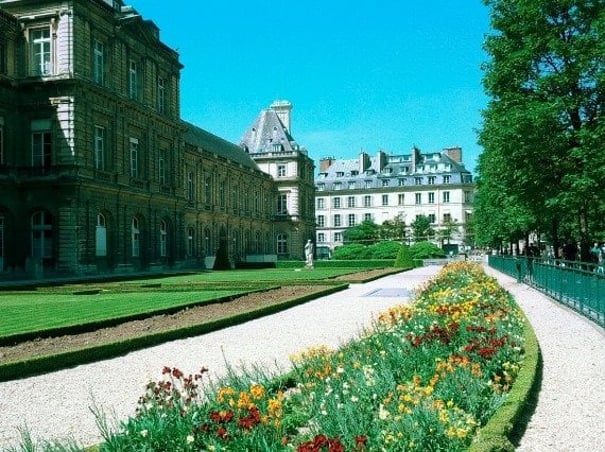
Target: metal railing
x=578 y=285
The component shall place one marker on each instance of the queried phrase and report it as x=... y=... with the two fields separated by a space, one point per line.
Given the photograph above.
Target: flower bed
x=425 y=377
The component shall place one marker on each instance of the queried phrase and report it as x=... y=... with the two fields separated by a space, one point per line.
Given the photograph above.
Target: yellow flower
x=257 y=391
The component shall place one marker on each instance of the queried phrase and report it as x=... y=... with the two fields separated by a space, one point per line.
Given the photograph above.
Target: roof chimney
x=283 y=109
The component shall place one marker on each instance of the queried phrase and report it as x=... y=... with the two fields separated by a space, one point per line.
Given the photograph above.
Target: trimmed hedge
x=356 y=264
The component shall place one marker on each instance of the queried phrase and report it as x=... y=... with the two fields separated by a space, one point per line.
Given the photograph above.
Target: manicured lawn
x=22 y=313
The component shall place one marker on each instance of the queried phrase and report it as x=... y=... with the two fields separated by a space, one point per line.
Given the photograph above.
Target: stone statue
x=309 y=254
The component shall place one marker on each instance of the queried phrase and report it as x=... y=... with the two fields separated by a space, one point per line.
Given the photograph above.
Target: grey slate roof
x=267 y=131
x=217 y=145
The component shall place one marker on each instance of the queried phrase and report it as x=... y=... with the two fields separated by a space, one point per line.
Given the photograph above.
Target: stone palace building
x=99 y=173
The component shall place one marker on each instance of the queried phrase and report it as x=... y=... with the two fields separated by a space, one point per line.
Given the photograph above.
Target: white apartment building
x=387 y=186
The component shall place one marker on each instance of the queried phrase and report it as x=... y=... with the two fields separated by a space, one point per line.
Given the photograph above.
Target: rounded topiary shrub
x=404 y=258
x=426 y=250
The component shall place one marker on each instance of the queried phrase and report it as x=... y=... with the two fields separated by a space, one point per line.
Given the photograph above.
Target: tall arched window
x=101 y=236
x=282 y=243
x=190 y=241
x=163 y=239
x=42 y=234
x=135 y=237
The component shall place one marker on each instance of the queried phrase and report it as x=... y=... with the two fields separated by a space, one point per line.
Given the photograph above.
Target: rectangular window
x=351 y=201
x=99 y=148
x=41 y=149
x=321 y=237
x=337 y=222
x=133 y=80
x=39 y=42
x=351 y=219
x=336 y=203
x=400 y=199
x=321 y=187
x=134 y=158
x=367 y=201
x=321 y=221
x=431 y=180
x=467 y=196
x=447 y=217
x=282 y=204
x=446 y=179
x=446 y=197
x=352 y=185
x=161 y=95
x=367 y=184
x=431 y=217
x=431 y=197
x=208 y=190
x=281 y=170
x=401 y=182
x=418 y=180
x=321 y=203
x=190 y=186
x=338 y=236
x=385 y=200
x=337 y=186
x=367 y=217
x=418 y=197
x=385 y=182
x=161 y=169
x=99 y=62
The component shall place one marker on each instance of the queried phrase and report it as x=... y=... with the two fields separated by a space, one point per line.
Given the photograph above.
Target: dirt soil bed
x=154 y=324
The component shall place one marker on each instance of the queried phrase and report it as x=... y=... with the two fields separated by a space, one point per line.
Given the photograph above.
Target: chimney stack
x=283 y=109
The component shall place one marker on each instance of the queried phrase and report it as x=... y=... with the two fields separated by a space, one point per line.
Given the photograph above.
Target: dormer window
x=340 y=174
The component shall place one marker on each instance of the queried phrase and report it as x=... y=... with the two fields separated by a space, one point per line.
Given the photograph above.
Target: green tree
x=421 y=228
x=393 y=229
x=366 y=232
x=543 y=130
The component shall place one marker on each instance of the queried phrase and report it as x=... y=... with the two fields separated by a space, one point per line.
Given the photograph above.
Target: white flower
x=144 y=433
x=382 y=412
x=354 y=399
x=190 y=439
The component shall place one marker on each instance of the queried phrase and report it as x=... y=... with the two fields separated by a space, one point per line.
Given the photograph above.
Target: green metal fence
x=578 y=285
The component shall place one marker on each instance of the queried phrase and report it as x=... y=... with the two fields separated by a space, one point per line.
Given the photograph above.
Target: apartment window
x=336 y=203
x=446 y=179
x=385 y=200
x=367 y=184
x=321 y=203
x=431 y=180
x=41 y=143
x=351 y=219
x=281 y=170
x=133 y=80
x=447 y=217
x=352 y=185
x=431 y=197
x=282 y=243
x=367 y=217
x=467 y=194
x=321 y=221
x=340 y=174
x=190 y=186
x=134 y=158
x=401 y=182
x=321 y=237
x=42 y=234
x=431 y=217
x=338 y=236
x=135 y=238
x=41 y=58
x=208 y=190
x=321 y=187
x=418 y=199
x=163 y=239
x=99 y=148
x=446 y=196
x=400 y=199
x=98 y=62
x=367 y=201
x=161 y=95
x=337 y=221
x=418 y=181
x=351 y=201
x=385 y=182
x=221 y=192
x=282 y=204
x=190 y=241
x=161 y=169
x=337 y=186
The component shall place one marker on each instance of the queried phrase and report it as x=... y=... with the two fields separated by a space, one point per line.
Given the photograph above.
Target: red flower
x=360 y=441
x=176 y=373
x=222 y=433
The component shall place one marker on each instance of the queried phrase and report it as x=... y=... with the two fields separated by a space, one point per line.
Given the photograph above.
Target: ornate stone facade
x=98 y=172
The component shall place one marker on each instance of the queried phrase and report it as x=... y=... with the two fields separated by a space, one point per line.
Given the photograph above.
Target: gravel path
x=570 y=415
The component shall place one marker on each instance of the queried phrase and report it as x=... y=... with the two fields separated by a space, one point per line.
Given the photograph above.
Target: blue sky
x=382 y=75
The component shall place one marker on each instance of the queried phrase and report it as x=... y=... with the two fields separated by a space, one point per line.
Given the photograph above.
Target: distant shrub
x=350 y=252
x=426 y=250
x=404 y=258
x=384 y=250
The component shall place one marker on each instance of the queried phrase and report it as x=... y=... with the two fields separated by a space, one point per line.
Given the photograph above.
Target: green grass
x=28 y=312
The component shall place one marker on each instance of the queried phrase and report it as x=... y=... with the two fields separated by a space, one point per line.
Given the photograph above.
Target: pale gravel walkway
x=570 y=415
x=57 y=405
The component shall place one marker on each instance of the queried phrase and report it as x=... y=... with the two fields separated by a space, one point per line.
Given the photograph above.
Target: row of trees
x=543 y=134
x=421 y=229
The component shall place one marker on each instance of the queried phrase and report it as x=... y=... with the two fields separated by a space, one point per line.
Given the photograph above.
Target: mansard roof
x=216 y=145
x=266 y=132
